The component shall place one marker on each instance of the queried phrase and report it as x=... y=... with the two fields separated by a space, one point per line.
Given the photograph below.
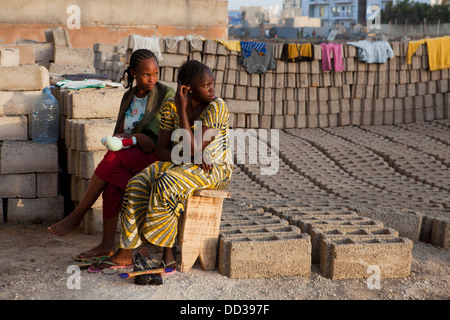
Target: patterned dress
x=155 y=197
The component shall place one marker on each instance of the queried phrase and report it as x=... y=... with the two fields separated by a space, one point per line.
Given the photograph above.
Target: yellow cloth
x=296 y=50
x=232 y=45
x=438 y=52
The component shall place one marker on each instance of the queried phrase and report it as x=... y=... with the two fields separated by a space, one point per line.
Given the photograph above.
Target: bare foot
x=99 y=251
x=65 y=226
x=122 y=257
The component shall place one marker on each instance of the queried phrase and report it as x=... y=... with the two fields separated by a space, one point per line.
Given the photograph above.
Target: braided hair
x=190 y=70
x=135 y=60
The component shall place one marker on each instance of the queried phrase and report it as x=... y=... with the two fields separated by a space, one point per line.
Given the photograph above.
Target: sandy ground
x=34 y=266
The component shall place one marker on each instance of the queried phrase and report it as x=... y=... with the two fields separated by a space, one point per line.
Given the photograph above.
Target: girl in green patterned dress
x=154 y=197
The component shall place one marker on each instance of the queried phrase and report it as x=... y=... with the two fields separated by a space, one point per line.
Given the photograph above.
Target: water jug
x=45 y=120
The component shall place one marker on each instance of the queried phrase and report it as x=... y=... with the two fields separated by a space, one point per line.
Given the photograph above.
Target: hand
x=145 y=143
x=182 y=97
x=206 y=166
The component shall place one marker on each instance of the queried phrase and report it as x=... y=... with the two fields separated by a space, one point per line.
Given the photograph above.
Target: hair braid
x=135 y=60
x=189 y=71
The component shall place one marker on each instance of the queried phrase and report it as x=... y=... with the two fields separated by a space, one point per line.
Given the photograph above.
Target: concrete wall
x=108 y=21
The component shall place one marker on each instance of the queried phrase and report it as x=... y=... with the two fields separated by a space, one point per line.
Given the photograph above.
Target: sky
x=236 y=4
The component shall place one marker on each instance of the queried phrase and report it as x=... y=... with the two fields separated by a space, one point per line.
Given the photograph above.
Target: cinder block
x=351 y=259
x=355 y=118
x=300 y=121
x=81 y=57
x=210 y=47
x=86 y=134
x=318 y=235
x=289 y=121
x=26 y=157
x=29 y=210
x=96 y=103
x=173 y=60
x=47 y=185
x=14 y=128
x=265 y=256
x=23 y=78
x=18 y=185
x=312 y=121
x=26 y=53
x=9 y=57
x=242 y=106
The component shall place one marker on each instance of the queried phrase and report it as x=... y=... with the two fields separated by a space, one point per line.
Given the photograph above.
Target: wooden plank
x=199 y=233
x=213 y=193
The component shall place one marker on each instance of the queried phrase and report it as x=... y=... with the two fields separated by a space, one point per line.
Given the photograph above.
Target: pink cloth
x=338 y=60
x=116 y=169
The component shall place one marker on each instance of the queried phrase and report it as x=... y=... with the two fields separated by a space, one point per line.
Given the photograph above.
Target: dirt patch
x=34 y=266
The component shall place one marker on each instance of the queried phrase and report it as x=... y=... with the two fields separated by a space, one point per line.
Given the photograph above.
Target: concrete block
x=355 y=118
x=81 y=57
x=265 y=121
x=344 y=118
x=38 y=209
x=242 y=106
x=228 y=91
x=289 y=121
x=94 y=103
x=300 y=121
x=18 y=185
x=265 y=256
x=89 y=132
x=351 y=259
x=346 y=233
x=252 y=93
x=47 y=185
x=26 y=53
x=277 y=122
x=312 y=121
x=23 y=78
x=14 y=128
x=9 y=57
x=172 y=60
x=26 y=157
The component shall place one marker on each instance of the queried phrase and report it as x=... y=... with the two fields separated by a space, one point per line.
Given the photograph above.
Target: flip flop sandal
x=78 y=258
x=168 y=265
x=88 y=263
x=114 y=266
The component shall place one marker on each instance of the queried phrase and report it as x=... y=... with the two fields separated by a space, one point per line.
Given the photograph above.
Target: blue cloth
x=373 y=52
x=248 y=46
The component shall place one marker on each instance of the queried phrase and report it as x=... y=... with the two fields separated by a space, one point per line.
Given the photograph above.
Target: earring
x=190 y=91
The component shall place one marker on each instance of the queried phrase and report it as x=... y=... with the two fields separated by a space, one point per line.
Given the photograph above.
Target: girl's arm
x=143 y=141
x=165 y=145
x=181 y=101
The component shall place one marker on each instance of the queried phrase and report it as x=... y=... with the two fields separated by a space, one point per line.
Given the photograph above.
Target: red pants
x=116 y=169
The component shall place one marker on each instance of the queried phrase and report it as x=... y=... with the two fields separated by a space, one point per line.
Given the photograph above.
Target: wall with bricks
x=29 y=184
x=300 y=94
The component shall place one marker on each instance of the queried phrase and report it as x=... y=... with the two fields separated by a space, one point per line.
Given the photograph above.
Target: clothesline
x=259 y=57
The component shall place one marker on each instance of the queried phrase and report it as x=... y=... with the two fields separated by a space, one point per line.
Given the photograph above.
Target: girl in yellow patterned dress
x=154 y=197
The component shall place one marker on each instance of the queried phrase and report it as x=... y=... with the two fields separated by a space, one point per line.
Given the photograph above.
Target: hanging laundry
x=438 y=52
x=150 y=43
x=373 y=52
x=257 y=63
x=232 y=45
x=248 y=46
x=195 y=42
x=297 y=52
x=338 y=60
